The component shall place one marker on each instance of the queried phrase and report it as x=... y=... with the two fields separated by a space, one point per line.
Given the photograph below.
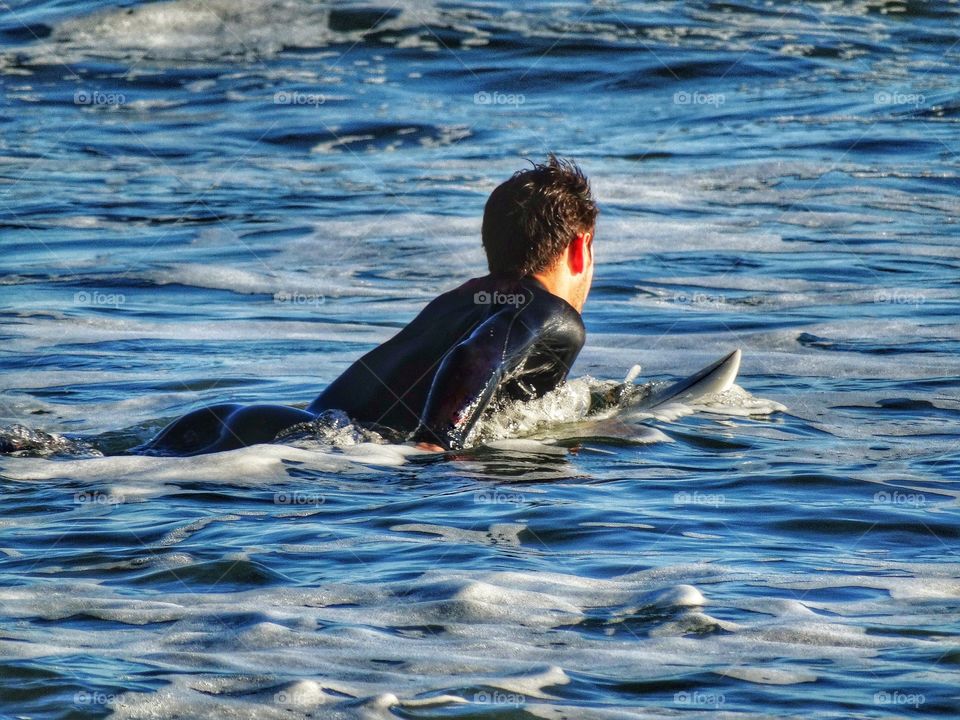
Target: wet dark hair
x=531 y=218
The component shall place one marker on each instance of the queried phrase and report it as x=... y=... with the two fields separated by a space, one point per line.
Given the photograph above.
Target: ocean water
x=211 y=200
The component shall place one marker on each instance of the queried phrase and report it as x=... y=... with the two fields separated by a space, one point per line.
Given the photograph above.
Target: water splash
x=21 y=441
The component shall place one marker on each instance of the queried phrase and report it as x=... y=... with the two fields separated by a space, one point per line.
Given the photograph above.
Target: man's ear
x=578 y=253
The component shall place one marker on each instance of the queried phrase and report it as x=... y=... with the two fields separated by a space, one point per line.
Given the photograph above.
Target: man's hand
x=429 y=447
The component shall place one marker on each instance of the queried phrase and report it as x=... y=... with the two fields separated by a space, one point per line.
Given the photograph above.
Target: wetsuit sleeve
x=469 y=375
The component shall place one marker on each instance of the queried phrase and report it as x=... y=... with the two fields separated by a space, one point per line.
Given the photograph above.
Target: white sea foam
x=514 y=632
x=202 y=29
x=566 y=413
x=735 y=401
x=209 y=29
x=247 y=466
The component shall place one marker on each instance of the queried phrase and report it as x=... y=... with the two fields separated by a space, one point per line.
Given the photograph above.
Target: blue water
x=207 y=200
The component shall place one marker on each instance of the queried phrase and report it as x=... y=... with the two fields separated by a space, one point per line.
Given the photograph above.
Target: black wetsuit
x=490 y=338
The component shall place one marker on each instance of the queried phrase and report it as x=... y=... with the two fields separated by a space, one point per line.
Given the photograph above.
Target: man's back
x=490 y=337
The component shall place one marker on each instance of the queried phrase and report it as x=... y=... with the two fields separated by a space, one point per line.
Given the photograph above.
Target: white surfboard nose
x=726 y=372
x=714 y=378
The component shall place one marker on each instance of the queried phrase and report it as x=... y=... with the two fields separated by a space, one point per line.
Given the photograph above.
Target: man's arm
x=469 y=375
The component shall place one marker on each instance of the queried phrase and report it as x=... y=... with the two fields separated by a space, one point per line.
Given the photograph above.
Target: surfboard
x=714 y=378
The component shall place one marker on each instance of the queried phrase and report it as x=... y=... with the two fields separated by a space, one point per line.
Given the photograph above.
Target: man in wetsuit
x=512 y=334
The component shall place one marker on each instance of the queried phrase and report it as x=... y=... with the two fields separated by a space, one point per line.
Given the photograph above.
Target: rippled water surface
x=207 y=200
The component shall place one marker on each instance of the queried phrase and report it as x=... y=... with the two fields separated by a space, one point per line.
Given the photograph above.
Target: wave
x=204 y=30
x=487 y=638
x=208 y=30
x=21 y=441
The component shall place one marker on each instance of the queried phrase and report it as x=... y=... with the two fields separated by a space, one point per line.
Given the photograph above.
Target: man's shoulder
x=557 y=322
x=464 y=289
x=525 y=296
x=510 y=292
x=500 y=293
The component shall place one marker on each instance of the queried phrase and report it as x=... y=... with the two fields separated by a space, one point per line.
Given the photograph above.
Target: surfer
x=511 y=334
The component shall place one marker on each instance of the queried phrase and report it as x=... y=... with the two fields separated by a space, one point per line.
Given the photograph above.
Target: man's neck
x=556 y=284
